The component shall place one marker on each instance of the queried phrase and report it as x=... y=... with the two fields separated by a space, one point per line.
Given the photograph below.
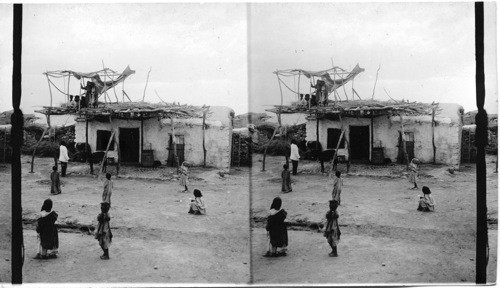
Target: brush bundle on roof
x=362 y=107
x=131 y=110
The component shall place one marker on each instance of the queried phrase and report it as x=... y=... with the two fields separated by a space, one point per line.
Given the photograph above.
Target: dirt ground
x=155 y=239
x=384 y=238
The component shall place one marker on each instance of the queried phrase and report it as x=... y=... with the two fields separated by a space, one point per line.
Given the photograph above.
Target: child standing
x=55 y=188
x=337 y=187
x=286 y=185
x=184 y=176
x=413 y=173
x=103 y=232
x=332 y=231
x=426 y=202
x=197 y=205
x=108 y=189
x=47 y=232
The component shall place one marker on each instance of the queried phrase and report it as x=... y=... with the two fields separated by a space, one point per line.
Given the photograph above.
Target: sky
x=197 y=52
x=425 y=51
x=226 y=53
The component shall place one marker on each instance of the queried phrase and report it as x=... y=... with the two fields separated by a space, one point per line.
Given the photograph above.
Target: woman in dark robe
x=277 y=232
x=47 y=232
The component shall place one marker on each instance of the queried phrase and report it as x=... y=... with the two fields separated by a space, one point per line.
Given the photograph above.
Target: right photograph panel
x=364 y=170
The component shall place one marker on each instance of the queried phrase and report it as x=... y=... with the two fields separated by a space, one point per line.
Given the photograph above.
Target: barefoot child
x=337 y=187
x=286 y=185
x=183 y=170
x=413 y=173
x=103 y=231
x=108 y=189
x=332 y=231
x=426 y=203
x=197 y=205
x=55 y=188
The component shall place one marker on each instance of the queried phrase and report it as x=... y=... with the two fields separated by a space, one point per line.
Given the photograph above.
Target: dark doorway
x=359 y=141
x=129 y=145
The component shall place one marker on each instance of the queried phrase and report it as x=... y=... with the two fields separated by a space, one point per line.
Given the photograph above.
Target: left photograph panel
x=6 y=19
x=133 y=164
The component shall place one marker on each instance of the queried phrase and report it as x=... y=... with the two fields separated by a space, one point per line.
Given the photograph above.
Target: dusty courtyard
x=384 y=238
x=155 y=239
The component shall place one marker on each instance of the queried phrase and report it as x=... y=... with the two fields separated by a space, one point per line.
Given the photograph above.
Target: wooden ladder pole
x=203 y=131
x=106 y=153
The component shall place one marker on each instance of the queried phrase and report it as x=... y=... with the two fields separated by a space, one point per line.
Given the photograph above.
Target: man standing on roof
x=319 y=91
x=88 y=93
x=294 y=156
x=63 y=158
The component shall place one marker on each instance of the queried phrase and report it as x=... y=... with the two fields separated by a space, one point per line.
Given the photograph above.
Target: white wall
x=218 y=136
x=447 y=135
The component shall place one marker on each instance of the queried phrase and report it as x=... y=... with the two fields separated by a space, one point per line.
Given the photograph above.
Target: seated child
x=426 y=203
x=197 y=205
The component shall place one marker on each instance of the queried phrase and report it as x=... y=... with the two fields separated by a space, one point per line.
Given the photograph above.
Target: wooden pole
x=89 y=160
x=4 y=145
x=147 y=79
x=80 y=97
x=298 y=89
x=142 y=138
x=203 y=131
x=86 y=136
x=310 y=94
x=371 y=137
x=265 y=150
x=375 y=85
x=36 y=146
x=106 y=153
x=277 y=128
x=125 y=93
x=16 y=139
x=336 y=152
x=348 y=152
x=176 y=158
x=117 y=141
x=239 y=150
x=403 y=141
x=48 y=119
x=317 y=133
x=433 y=142
x=67 y=97
x=352 y=88
x=469 y=150
x=482 y=250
